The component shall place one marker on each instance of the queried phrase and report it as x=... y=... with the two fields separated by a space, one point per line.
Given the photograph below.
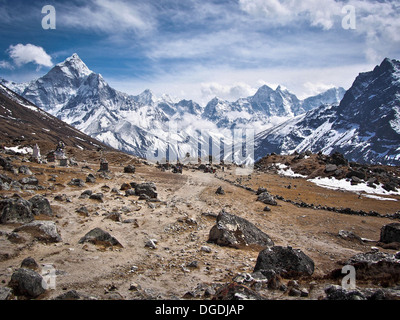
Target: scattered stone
x=390 y=233
x=76 y=182
x=5 y=293
x=25 y=170
x=32 y=181
x=193 y=264
x=235 y=291
x=220 y=191
x=97 y=196
x=69 y=295
x=86 y=194
x=41 y=206
x=335 y=292
x=349 y=235
x=125 y=186
x=30 y=263
x=91 y=178
x=83 y=211
x=206 y=249
x=234 y=231
x=45 y=231
x=286 y=261
x=131 y=192
x=26 y=282
x=130 y=169
x=294 y=292
x=330 y=168
x=149 y=189
x=267 y=198
x=15 y=211
x=151 y=243
x=267 y=209
x=261 y=190
x=98 y=236
x=114 y=216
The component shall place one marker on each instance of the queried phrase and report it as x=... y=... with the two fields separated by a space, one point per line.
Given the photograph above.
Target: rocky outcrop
x=286 y=261
x=234 y=231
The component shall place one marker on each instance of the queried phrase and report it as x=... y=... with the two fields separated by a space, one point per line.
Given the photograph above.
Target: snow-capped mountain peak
x=74 y=67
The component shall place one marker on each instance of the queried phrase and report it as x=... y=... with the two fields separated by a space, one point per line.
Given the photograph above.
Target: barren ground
x=181 y=225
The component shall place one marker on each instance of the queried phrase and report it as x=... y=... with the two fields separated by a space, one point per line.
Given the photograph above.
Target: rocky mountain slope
x=24 y=124
x=364 y=126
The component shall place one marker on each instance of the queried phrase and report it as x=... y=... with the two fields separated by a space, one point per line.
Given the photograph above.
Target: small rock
x=266 y=198
x=151 y=244
x=30 y=263
x=76 y=182
x=130 y=169
x=98 y=236
x=91 y=178
x=220 y=191
x=206 y=249
x=97 y=196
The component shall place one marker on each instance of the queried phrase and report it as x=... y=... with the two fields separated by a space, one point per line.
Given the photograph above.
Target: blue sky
x=198 y=49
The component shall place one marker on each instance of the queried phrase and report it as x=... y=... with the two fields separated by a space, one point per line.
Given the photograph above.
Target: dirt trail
x=180 y=224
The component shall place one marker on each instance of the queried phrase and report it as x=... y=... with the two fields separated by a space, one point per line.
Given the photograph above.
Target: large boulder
x=26 y=282
x=149 y=189
x=98 y=236
x=234 y=231
x=286 y=261
x=15 y=211
x=390 y=233
x=45 y=231
x=40 y=205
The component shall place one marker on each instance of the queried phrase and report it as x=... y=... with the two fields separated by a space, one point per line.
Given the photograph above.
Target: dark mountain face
x=365 y=126
x=20 y=120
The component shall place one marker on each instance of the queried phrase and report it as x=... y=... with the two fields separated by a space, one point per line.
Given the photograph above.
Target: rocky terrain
x=140 y=231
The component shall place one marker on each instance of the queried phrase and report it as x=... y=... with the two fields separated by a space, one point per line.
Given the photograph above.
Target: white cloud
x=313 y=89
x=227 y=92
x=6 y=65
x=24 y=54
x=114 y=17
x=283 y=12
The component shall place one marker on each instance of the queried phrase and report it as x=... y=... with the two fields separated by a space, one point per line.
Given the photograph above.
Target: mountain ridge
x=365 y=126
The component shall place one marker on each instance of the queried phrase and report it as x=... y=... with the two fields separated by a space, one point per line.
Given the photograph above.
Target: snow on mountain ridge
x=82 y=98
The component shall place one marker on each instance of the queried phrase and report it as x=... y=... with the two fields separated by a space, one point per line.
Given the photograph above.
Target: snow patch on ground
x=20 y=150
x=343 y=184
x=288 y=172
